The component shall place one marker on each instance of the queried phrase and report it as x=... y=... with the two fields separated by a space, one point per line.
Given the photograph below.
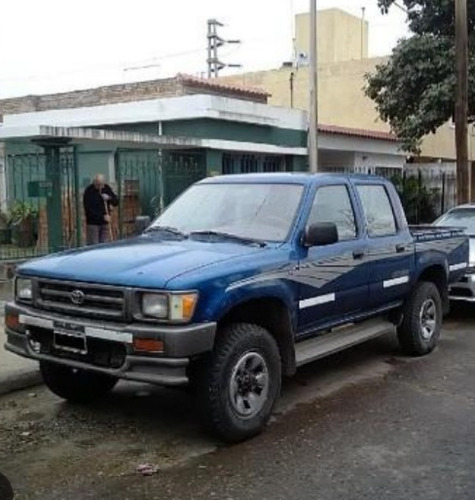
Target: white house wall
x=364 y=161
x=165 y=109
x=340 y=142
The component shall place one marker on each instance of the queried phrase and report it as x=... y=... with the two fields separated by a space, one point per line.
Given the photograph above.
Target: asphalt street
x=364 y=424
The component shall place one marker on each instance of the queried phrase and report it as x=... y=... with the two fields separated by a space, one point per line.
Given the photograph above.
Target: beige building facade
x=341 y=36
x=343 y=64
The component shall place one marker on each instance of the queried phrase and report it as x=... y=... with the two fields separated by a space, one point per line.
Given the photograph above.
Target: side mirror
x=141 y=223
x=320 y=234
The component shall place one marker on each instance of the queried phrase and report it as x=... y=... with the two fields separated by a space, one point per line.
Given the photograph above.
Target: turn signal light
x=148 y=345
x=12 y=322
x=188 y=305
x=182 y=306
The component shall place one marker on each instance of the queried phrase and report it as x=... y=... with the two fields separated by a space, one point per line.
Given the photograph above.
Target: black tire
x=248 y=355
x=417 y=335
x=6 y=490
x=77 y=386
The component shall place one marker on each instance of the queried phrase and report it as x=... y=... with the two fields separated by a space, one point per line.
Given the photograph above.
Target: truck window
x=377 y=209
x=333 y=204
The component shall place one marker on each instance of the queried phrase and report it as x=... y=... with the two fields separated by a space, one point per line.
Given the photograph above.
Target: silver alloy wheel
x=428 y=318
x=249 y=385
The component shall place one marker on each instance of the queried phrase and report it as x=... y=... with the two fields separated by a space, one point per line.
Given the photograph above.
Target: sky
x=61 y=45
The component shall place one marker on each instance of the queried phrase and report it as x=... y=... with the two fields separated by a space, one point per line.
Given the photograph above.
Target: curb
x=19 y=380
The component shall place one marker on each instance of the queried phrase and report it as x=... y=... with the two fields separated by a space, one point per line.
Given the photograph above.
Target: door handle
x=358 y=254
x=400 y=248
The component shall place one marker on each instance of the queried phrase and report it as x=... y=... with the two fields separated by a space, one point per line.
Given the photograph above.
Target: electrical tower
x=215 y=42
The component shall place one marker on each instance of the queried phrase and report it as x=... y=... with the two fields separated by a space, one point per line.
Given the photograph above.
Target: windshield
x=262 y=212
x=460 y=217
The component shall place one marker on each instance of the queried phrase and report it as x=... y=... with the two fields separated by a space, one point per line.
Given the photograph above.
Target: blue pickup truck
x=239 y=282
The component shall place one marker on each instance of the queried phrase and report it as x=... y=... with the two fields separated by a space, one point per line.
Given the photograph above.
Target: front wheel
x=241 y=382
x=419 y=332
x=75 y=385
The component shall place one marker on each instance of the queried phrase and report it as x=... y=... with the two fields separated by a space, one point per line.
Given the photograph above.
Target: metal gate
x=147 y=181
x=41 y=213
x=180 y=170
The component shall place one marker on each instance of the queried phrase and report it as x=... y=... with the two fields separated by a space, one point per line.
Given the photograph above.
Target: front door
x=332 y=279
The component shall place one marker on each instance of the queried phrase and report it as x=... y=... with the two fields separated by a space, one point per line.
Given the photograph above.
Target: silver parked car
x=463 y=216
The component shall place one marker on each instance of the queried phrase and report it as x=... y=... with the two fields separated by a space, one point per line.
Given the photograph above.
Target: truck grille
x=81 y=299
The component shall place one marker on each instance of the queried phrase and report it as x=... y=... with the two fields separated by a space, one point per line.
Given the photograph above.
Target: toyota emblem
x=77 y=297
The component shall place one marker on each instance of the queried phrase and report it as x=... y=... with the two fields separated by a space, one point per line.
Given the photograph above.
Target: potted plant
x=24 y=216
x=5 y=229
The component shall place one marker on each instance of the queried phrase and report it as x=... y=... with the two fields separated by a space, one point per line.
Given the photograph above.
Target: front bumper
x=463 y=290
x=111 y=346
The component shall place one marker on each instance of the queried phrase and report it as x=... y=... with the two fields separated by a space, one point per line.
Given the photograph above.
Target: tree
x=414 y=90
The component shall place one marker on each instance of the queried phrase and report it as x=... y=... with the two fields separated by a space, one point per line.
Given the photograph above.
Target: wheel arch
x=438 y=275
x=272 y=314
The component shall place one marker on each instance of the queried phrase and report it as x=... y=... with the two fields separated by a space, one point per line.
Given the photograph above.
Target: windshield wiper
x=166 y=229
x=242 y=239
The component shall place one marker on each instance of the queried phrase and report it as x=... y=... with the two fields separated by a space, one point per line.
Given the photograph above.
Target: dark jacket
x=94 y=205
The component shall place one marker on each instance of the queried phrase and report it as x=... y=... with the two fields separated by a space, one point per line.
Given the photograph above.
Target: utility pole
x=214 y=43
x=313 y=88
x=461 y=102
x=363 y=15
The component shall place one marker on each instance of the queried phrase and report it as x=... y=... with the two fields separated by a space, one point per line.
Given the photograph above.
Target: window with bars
x=247 y=163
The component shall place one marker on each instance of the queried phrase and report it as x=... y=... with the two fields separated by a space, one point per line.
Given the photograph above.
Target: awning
x=133 y=140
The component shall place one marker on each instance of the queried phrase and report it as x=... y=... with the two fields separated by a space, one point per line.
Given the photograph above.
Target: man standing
x=98 y=198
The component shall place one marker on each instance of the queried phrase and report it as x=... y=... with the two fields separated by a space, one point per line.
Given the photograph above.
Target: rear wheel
x=241 y=382
x=419 y=332
x=75 y=385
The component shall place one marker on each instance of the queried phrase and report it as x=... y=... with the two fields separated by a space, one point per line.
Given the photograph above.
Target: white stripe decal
x=315 y=301
x=98 y=333
x=457 y=267
x=395 y=282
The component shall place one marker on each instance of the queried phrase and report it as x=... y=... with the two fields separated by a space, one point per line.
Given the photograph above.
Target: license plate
x=69 y=337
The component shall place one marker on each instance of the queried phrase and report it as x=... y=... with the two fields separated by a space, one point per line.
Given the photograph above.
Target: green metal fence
x=180 y=170
x=147 y=181
x=40 y=214
x=139 y=187
x=44 y=212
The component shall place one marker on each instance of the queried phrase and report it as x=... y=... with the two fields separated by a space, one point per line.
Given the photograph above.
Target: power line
x=124 y=66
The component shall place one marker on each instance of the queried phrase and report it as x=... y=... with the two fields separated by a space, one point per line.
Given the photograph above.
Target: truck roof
x=287 y=178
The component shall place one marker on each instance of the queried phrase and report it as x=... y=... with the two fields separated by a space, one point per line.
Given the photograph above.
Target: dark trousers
x=97 y=234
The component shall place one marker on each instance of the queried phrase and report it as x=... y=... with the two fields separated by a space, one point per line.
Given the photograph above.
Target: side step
x=339 y=339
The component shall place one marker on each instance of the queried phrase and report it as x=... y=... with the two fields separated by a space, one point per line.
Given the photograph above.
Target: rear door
x=332 y=281
x=390 y=249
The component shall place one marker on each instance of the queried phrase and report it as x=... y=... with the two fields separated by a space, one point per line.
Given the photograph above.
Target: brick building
x=180 y=85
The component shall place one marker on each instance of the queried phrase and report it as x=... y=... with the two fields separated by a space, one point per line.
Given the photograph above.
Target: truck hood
x=142 y=262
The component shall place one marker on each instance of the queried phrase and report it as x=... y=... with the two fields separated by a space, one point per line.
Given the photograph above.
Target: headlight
x=24 y=289
x=155 y=305
x=174 y=307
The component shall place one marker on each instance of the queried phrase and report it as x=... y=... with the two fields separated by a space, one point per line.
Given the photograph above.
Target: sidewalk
x=15 y=372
